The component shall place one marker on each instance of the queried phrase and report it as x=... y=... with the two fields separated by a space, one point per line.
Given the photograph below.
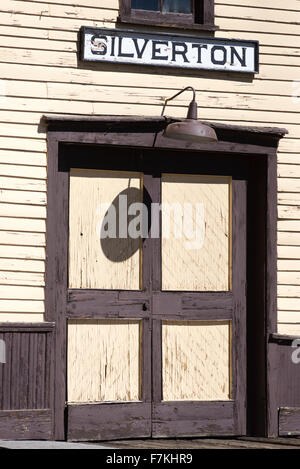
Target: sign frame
x=158 y=38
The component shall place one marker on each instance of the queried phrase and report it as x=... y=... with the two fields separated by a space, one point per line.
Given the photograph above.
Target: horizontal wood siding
x=40 y=74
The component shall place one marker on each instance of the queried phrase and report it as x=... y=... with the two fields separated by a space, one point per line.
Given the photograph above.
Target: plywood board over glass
x=104 y=361
x=101 y=254
x=196 y=232
x=196 y=360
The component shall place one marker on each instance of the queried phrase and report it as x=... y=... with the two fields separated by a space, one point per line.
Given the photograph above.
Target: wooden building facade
x=106 y=338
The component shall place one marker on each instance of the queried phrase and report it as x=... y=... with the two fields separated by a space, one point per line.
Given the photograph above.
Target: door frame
x=255 y=145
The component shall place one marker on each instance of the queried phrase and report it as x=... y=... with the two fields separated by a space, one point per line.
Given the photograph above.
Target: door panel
x=193 y=419
x=109 y=421
x=221 y=378
x=107 y=416
x=109 y=333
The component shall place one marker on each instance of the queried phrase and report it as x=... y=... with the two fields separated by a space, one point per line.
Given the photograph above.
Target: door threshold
x=204 y=443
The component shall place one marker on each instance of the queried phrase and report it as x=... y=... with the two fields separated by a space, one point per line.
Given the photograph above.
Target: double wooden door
x=156 y=315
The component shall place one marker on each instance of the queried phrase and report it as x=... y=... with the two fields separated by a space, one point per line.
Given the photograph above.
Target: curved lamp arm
x=177 y=94
x=192 y=112
x=190 y=129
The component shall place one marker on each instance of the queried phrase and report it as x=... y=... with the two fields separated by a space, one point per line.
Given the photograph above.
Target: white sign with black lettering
x=110 y=45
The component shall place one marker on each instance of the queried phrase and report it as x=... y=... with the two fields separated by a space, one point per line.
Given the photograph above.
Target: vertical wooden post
x=239 y=224
x=125 y=7
x=271 y=295
x=56 y=276
x=209 y=12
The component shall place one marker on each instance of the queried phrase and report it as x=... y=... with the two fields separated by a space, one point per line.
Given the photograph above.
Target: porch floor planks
x=206 y=443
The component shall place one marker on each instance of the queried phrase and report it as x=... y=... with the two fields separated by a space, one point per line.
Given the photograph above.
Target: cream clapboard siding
x=40 y=75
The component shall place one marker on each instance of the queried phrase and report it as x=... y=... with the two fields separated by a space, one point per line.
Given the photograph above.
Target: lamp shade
x=191 y=130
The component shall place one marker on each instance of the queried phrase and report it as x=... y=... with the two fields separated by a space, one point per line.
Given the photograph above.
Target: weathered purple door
x=156 y=314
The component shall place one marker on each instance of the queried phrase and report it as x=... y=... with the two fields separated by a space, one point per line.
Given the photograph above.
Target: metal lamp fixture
x=190 y=129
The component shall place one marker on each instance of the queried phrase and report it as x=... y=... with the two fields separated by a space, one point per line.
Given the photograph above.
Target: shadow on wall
x=167 y=71
x=122 y=218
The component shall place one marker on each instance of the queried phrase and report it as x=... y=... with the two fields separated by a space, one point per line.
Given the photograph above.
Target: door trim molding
x=253 y=143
